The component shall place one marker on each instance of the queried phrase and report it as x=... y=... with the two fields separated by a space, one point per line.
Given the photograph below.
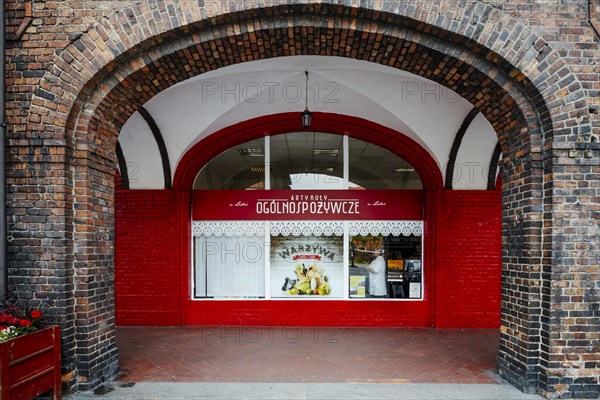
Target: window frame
x=347 y=223
x=394 y=228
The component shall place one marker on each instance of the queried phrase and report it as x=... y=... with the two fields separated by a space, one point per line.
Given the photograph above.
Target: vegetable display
x=310 y=281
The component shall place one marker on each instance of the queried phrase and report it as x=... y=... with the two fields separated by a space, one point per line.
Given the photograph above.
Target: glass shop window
x=307 y=267
x=239 y=168
x=231 y=266
x=385 y=266
x=242 y=252
x=307 y=160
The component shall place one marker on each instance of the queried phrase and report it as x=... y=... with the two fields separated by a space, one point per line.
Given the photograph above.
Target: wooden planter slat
x=30 y=365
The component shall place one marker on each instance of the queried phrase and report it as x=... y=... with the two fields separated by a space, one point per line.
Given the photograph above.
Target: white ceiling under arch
x=419 y=108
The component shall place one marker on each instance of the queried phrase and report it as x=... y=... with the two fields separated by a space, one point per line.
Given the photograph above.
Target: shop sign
x=307 y=205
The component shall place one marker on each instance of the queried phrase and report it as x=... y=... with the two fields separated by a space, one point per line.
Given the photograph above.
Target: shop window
x=229 y=260
x=306 y=231
x=239 y=168
x=385 y=267
x=385 y=260
x=374 y=167
x=307 y=259
x=307 y=160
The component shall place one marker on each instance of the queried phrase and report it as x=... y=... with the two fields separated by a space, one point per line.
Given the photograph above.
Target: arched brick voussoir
x=499 y=97
x=144 y=83
x=507 y=42
x=98 y=49
x=116 y=40
x=525 y=56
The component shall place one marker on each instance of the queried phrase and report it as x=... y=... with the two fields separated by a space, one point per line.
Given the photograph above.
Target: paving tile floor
x=307 y=355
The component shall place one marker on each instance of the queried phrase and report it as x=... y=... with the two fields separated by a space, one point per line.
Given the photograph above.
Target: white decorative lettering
x=303 y=204
x=336 y=207
x=319 y=207
x=273 y=207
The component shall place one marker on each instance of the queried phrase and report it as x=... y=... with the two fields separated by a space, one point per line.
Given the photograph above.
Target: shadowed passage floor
x=307 y=355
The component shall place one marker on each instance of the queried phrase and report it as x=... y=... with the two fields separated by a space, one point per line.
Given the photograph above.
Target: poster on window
x=357 y=285
x=413 y=276
x=309 y=267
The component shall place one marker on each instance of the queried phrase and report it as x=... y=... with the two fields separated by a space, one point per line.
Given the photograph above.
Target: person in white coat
x=377 y=276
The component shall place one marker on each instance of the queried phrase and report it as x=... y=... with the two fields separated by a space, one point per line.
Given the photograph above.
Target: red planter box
x=30 y=365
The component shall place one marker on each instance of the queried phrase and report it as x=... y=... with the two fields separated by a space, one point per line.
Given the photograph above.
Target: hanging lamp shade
x=306 y=118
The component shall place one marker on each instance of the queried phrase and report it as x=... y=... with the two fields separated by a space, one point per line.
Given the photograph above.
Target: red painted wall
x=350 y=313
x=147 y=257
x=462 y=270
x=468 y=259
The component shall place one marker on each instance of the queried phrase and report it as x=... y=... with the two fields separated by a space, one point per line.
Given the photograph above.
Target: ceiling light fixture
x=317 y=170
x=306 y=115
x=249 y=152
x=325 y=152
x=404 y=170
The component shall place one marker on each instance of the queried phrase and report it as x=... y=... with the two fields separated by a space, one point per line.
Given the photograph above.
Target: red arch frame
x=205 y=150
x=273 y=312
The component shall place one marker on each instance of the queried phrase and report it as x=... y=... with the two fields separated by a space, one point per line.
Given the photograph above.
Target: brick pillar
x=40 y=234
x=60 y=251
x=518 y=360
x=93 y=234
x=570 y=320
x=550 y=329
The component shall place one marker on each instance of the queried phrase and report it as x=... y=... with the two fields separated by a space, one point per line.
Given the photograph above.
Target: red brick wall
x=147 y=257
x=152 y=272
x=468 y=259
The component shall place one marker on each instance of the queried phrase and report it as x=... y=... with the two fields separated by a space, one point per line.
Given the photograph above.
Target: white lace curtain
x=306 y=228
x=229 y=266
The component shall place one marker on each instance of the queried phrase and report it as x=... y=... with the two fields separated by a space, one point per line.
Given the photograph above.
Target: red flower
x=35 y=314
x=4 y=317
x=26 y=323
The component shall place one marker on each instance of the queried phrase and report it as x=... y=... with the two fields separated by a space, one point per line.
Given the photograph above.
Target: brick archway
x=122 y=62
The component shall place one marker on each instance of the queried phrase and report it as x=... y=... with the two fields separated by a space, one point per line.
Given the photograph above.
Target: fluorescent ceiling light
x=317 y=170
x=325 y=152
x=249 y=152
